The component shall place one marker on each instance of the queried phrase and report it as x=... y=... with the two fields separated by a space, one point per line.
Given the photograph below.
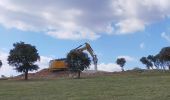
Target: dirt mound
x=46 y=74
x=43 y=72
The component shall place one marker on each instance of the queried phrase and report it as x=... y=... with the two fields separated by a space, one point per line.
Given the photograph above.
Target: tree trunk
x=122 y=69
x=147 y=67
x=164 y=68
x=78 y=74
x=26 y=75
x=157 y=67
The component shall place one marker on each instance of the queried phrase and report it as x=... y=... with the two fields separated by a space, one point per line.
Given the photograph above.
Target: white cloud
x=109 y=67
x=82 y=19
x=165 y=36
x=44 y=62
x=142 y=45
x=63 y=34
x=129 y=26
x=6 y=69
x=128 y=58
x=135 y=15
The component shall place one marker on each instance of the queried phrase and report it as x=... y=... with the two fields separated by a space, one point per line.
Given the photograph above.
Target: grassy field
x=143 y=86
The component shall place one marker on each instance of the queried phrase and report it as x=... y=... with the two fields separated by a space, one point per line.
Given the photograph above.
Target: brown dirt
x=46 y=74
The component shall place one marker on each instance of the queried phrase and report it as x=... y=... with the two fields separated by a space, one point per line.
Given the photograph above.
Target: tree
x=156 y=61
x=145 y=61
x=165 y=53
x=121 y=62
x=78 y=61
x=164 y=56
x=152 y=59
x=0 y=63
x=22 y=57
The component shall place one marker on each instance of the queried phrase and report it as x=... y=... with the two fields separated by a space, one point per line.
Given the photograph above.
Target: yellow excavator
x=61 y=64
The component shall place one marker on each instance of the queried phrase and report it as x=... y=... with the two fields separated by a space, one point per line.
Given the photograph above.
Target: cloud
x=72 y=36
x=109 y=67
x=129 y=26
x=142 y=45
x=82 y=19
x=6 y=69
x=165 y=36
x=44 y=62
x=139 y=14
x=128 y=58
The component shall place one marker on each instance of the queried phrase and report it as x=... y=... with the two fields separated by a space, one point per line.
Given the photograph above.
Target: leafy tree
x=157 y=61
x=152 y=59
x=78 y=61
x=145 y=61
x=164 y=56
x=0 y=63
x=22 y=57
x=121 y=62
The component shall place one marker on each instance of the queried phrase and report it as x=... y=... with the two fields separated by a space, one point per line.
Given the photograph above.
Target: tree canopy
x=148 y=63
x=22 y=57
x=164 y=56
x=121 y=62
x=78 y=61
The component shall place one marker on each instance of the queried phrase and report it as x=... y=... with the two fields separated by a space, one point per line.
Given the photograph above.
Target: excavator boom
x=90 y=50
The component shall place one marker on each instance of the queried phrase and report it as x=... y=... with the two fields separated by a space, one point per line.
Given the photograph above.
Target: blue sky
x=114 y=28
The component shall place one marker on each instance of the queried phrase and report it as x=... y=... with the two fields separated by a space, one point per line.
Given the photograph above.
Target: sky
x=114 y=28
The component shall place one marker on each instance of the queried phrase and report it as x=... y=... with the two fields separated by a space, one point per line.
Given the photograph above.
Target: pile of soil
x=46 y=74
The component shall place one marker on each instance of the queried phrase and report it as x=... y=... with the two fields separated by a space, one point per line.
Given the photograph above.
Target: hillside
x=118 y=86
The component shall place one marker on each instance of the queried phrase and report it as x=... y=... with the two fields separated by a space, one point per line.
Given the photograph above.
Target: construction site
x=58 y=67
x=84 y=49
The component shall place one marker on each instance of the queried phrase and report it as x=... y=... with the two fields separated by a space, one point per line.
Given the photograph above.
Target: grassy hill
x=122 y=86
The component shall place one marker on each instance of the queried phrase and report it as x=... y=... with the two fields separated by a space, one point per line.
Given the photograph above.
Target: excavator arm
x=90 y=50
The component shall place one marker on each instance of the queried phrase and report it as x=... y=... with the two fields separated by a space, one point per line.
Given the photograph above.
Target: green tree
x=152 y=59
x=78 y=61
x=145 y=61
x=22 y=57
x=164 y=56
x=121 y=62
x=157 y=61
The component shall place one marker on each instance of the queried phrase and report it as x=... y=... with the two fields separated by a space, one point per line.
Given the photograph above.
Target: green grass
x=143 y=86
